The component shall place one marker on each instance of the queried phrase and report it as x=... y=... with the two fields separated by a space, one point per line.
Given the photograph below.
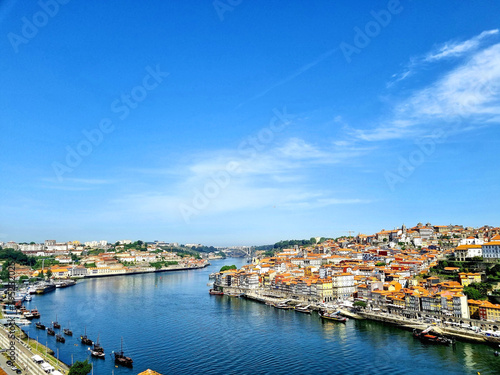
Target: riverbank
x=394 y=320
x=137 y=272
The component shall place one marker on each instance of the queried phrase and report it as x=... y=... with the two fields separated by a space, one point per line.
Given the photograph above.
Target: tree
x=4 y=274
x=472 y=293
x=41 y=274
x=225 y=268
x=359 y=303
x=80 y=368
x=477 y=291
x=49 y=273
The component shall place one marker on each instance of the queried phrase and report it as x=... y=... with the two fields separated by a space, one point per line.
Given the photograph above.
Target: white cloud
x=274 y=177
x=467 y=96
x=448 y=50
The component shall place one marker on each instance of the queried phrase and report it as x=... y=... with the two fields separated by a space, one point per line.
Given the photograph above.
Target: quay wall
x=145 y=271
x=270 y=296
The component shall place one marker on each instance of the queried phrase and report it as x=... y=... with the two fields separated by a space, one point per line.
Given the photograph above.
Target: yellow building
x=469 y=278
x=474 y=308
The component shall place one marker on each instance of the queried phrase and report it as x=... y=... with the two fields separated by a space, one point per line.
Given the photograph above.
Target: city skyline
x=244 y=124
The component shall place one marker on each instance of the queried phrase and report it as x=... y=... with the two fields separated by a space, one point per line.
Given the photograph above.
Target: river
x=169 y=323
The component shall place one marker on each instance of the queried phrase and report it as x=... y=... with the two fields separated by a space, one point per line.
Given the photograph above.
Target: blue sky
x=237 y=122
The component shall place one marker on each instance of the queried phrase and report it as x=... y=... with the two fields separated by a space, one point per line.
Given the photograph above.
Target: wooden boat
x=215 y=292
x=333 y=316
x=56 y=324
x=121 y=359
x=97 y=351
x=283 y=306
x=39 y=325
x=35 y=313
x=85 y=340
x=68 y=331
x=50 y=332
x=303 y=309
x=427 y=338
x=60 y=338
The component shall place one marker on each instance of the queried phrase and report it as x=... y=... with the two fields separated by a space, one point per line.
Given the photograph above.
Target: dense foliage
x=17 y=256
x=80 y=368
x=477 y=291
x=204 y=249
x=225 y=268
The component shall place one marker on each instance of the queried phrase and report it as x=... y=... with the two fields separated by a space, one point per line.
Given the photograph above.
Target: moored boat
x=50 y=332
x=60 y=338
x=215 y=292
x=56 y=324
x=97 y=350
x=120 y=357
x=335 y=316
x=45 y=288
x=68 y=331
x=28 y=315
x=35 y=313
x=39 y=325
x=283 y=306
x=85 y=340
x=435 y=338
x=303 y=309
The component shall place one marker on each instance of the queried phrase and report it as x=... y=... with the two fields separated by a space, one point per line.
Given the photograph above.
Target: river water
x=169 y=323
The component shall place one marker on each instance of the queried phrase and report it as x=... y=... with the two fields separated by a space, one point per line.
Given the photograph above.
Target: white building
x=491 y=250
x=468 y=251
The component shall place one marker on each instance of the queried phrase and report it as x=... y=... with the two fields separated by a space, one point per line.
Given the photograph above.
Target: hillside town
x=402 y=272
x=98 y=258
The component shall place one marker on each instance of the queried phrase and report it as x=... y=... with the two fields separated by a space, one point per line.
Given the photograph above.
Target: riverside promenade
x=392 y=319
x=26 y=349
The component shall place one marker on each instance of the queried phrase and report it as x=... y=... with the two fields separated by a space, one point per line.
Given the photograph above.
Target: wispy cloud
x=462 y=99
x=277 y=177
x=448 y=50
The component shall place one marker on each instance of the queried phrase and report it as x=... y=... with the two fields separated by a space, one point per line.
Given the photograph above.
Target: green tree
x=225 y=268
x=477 y=290
x=359 y=303
x=41 y=274
x=4 y=274
x=49 y=273
x=472 y=293
x=22 y=278
x=80 y=368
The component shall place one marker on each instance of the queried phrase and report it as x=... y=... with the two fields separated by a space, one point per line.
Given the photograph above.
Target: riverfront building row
x=384 y=277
